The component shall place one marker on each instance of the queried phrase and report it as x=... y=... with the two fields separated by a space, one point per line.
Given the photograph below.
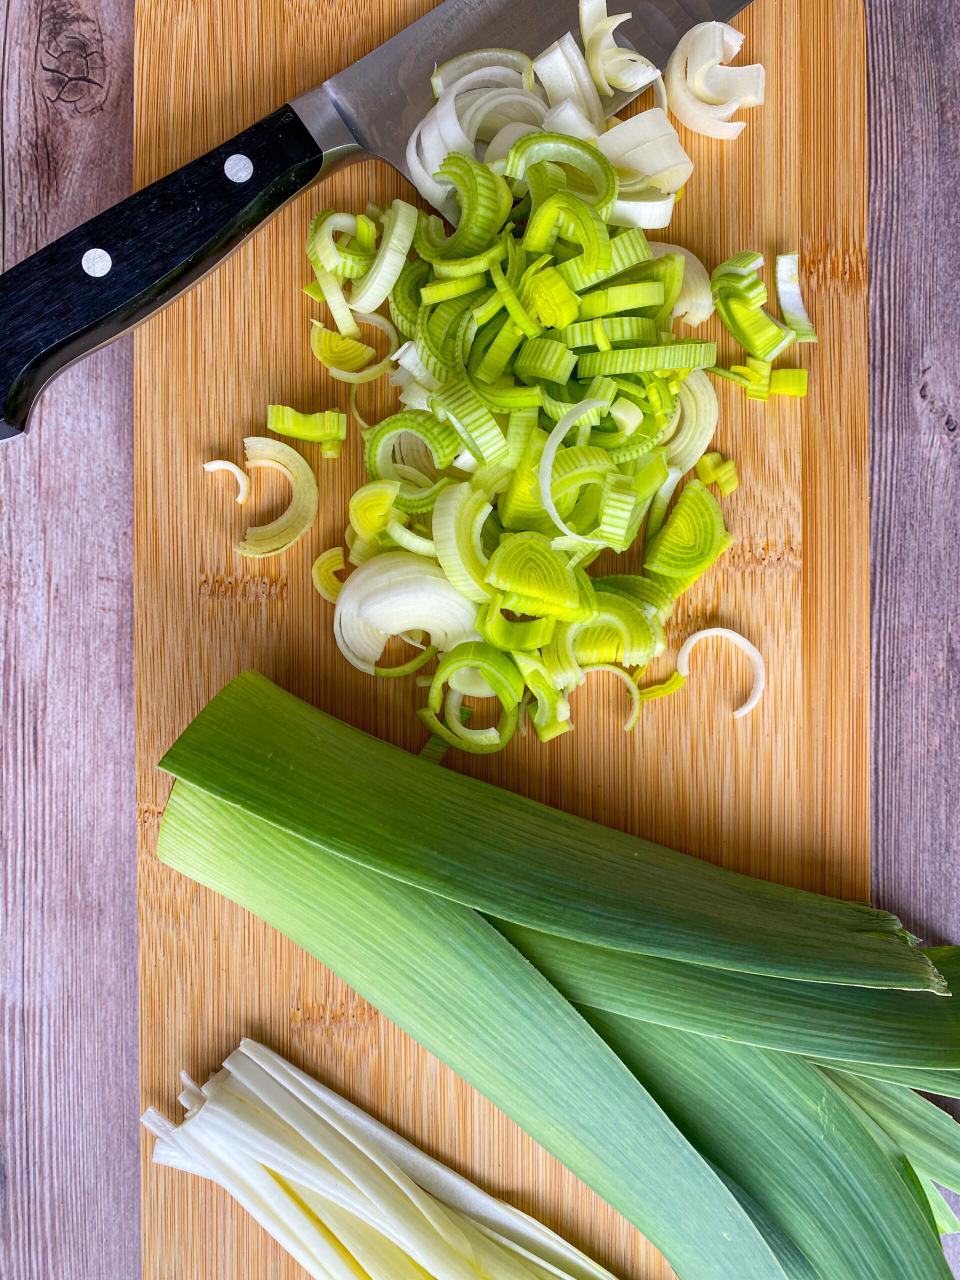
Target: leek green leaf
x=518 y=860
x=820 y=1020
x=790 y=1138
x=927 y=1136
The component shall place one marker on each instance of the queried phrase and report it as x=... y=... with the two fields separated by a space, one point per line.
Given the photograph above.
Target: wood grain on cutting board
x=783 y=794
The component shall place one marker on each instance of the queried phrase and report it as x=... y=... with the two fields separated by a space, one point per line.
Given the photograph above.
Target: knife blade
x=384 y=95
x=114 y=271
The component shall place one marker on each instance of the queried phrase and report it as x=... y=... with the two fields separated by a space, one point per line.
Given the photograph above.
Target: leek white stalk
x=339 y=1190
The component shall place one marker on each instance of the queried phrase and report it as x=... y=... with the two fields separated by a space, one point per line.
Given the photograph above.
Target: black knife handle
x=97 y=281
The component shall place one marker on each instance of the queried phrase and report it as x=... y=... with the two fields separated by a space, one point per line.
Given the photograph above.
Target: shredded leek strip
x=672 y=684
x=741 y=642
x=325 y=568
x=633 y=716
x=241 y=477
x=290 y=526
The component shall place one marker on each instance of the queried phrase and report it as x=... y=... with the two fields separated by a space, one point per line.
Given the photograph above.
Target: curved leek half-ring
x=241 y=477
x=393 y=592
x=290 y=526
x=742 y=643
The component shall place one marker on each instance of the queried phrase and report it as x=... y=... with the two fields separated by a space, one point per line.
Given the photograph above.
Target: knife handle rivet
x=238 y=168
x=96 y=262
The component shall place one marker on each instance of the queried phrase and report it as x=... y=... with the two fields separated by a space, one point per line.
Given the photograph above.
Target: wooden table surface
x=69 y=1181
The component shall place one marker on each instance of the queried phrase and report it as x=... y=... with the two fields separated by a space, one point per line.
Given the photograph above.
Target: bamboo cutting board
x=783 y=793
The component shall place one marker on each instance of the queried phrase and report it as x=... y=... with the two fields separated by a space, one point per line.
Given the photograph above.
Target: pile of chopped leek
x=548 y=409
x=728 y=1062
x=343 y=1194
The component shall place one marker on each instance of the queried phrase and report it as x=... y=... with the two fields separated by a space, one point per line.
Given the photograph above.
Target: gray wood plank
x=69 y=1181
x=914 y=67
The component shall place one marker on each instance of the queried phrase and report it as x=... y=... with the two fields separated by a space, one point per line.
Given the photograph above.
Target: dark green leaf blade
x=518 y=860
x=822 y=1020
x=789 y=1137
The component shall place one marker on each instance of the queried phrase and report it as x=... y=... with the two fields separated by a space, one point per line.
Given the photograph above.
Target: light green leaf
x=449 y=979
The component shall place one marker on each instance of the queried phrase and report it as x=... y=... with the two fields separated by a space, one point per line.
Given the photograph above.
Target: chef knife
x=105 y=276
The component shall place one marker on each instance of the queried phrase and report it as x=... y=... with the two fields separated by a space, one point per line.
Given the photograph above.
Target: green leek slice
x=692 y=537
x=325 y=568
x=290 y=526
x=328 y=429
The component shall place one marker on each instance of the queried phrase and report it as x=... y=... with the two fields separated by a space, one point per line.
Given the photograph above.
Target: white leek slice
x=699 y=411
x=394 y=592
x=702 y=91
x=695 y=303
x=399 y=225
x=790 y=298
x=241 y=477
x=742 y=643
x=499 y=145
x=625 y=678
x=612 y=66
x=566 y=117
x=339 y=307
x=646 y=152
x=563 y=72
x=290 y=526
x=456 y=68
x=648 y=210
